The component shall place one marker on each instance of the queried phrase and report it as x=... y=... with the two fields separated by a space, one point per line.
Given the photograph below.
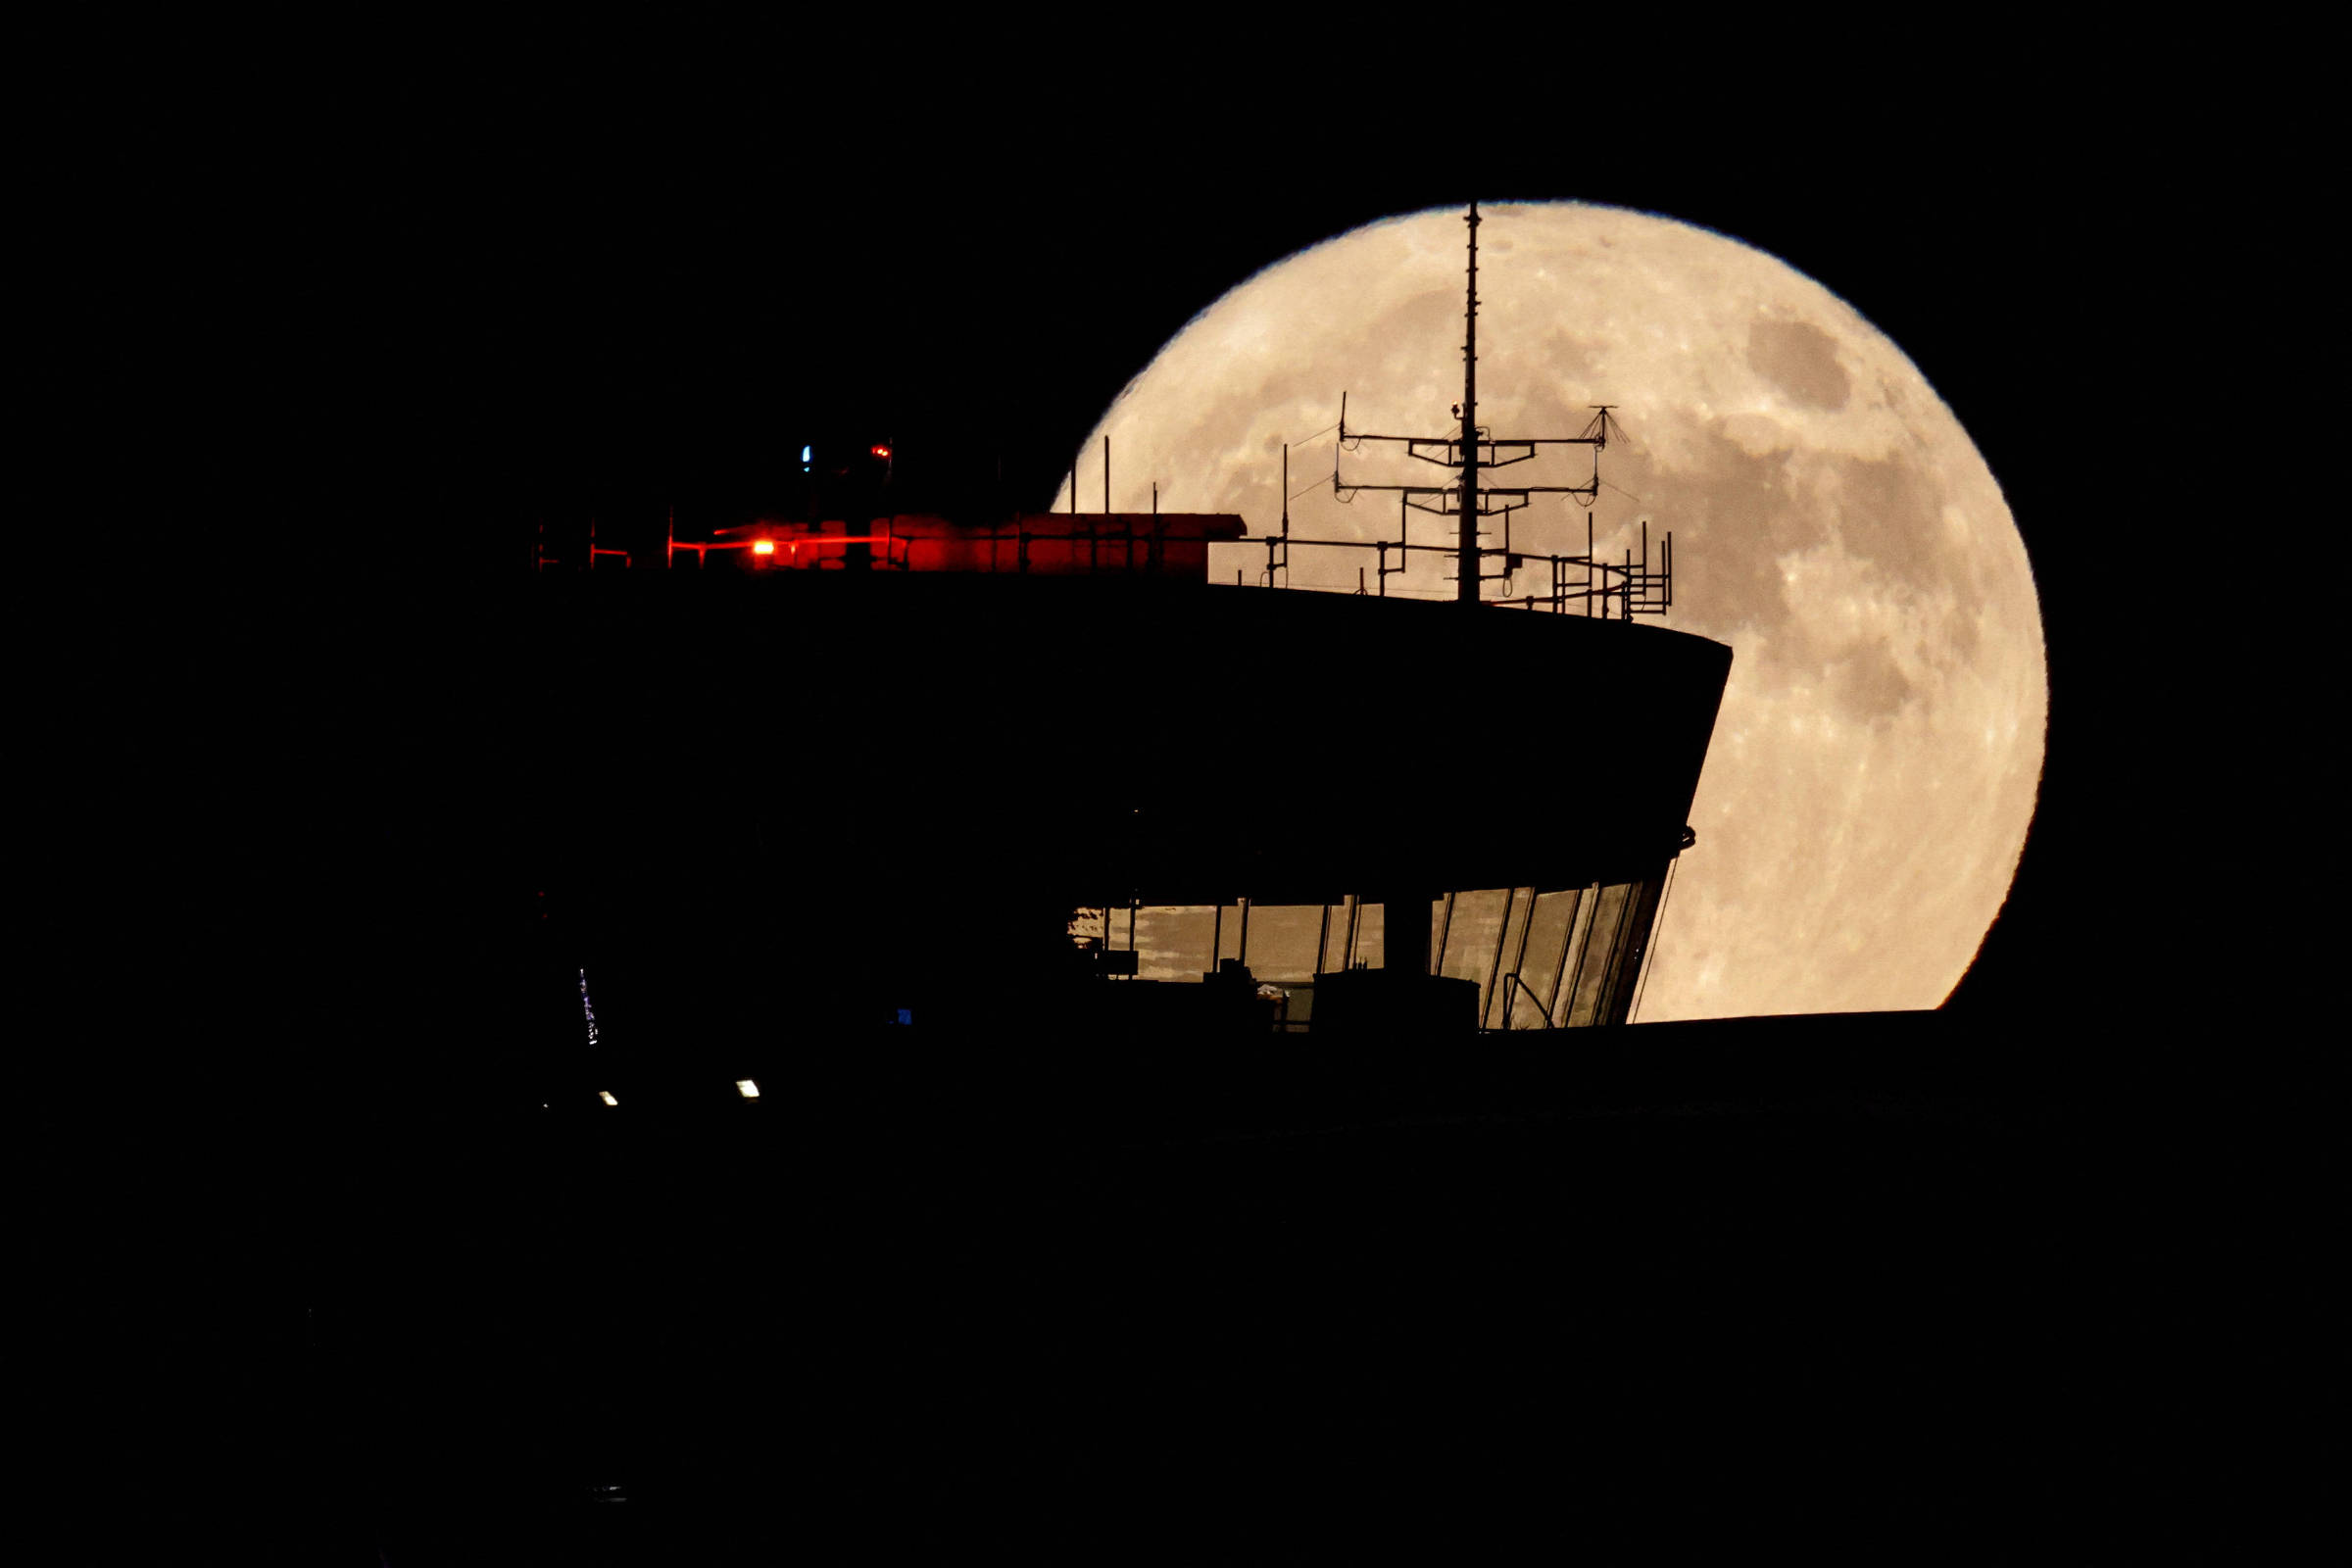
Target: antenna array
x=1625 y=588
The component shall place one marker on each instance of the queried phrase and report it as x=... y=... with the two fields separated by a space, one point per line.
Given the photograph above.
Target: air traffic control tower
x=894 y=769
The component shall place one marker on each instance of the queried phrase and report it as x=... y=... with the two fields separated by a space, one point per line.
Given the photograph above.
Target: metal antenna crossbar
x=1613 y=589
x=1631 y=587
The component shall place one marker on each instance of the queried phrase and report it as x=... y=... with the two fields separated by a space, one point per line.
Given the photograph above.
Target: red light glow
x=881 y=452
x=764 y=547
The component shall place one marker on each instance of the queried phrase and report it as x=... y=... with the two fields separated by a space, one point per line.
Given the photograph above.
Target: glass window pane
x=1514 y=932
x=1472 y=937
x=1623 y=975
x=1335 y=936
x=1371 y=939
x=1283 y=937
x=1172 y=942
x=1593 y=964
x=1540 y=964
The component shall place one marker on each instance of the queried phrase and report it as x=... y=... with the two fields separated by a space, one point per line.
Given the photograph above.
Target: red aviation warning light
x=881 y=451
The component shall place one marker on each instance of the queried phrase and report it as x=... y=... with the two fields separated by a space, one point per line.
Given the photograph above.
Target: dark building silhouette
x=894 y=788
x=947 y=744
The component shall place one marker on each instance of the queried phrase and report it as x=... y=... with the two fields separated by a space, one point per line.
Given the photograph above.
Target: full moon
x=1874 y=765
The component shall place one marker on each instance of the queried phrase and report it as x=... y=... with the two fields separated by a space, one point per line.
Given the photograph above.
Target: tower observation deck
x=903 y=769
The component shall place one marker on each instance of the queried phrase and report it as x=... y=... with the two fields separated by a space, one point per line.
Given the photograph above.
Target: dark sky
x=306 y=352
x=620 y=323
x=373 y=343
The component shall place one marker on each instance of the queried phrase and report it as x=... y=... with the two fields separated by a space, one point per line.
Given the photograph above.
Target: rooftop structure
x=924 y=772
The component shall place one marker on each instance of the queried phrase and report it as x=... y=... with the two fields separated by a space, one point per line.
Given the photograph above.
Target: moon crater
x=1802 y=361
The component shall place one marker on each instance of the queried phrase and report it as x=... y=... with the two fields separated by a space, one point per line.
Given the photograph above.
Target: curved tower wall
x=866 y=785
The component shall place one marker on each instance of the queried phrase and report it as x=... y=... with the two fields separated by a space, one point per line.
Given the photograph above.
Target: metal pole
x=1285 y=515
x=1467 y=553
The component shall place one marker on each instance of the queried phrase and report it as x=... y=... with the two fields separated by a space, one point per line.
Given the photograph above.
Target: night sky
x=342 y=352
x=516 y=316
x=309 y=363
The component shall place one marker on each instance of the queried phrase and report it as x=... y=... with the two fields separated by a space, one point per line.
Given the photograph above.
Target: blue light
x=805 y=460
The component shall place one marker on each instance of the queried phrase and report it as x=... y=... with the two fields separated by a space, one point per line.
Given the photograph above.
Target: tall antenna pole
x=1465 y=589
x=1608 y=588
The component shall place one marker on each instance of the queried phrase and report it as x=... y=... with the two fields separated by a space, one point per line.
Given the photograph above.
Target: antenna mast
x=1627 y=588
x=1466 y=554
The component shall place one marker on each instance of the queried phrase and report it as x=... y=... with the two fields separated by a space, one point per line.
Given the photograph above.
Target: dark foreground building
x=1025 y=1277
x=1096 y=794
